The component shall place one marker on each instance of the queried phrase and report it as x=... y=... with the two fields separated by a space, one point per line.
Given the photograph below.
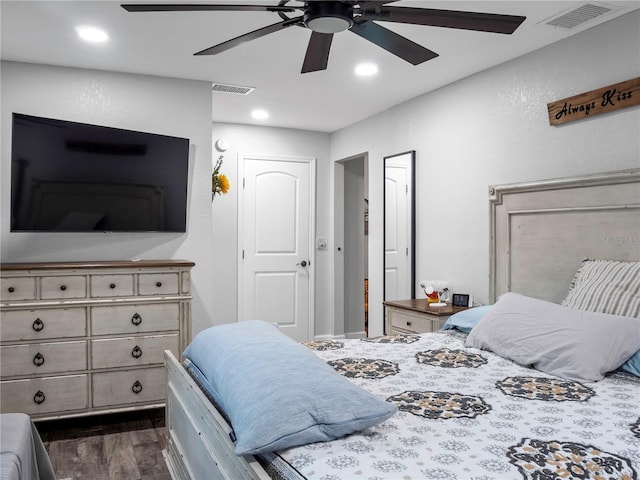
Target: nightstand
x=415 y=316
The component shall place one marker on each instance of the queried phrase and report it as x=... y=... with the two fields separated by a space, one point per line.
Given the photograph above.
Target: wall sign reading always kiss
x=595 y=102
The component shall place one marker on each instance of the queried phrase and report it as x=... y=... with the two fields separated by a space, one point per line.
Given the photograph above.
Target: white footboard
x=198 y=443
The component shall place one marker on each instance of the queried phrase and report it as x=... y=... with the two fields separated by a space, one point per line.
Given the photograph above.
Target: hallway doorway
x=351 y=240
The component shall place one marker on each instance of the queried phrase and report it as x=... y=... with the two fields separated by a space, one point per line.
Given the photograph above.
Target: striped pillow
x=606 y=286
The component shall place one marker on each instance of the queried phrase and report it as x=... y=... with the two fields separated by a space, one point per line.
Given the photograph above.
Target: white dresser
x=85 y=338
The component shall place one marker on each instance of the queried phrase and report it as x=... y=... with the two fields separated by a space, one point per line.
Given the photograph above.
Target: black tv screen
x=75 y=177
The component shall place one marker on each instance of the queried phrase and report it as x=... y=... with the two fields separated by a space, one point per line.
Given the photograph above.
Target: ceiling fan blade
x=393 y=43
x=483 y=22
x=261 y=32
x=375 y=3
x=317 y=55
x=180 y=7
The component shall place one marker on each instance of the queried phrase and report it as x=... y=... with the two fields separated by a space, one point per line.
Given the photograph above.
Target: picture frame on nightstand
x=462 y=300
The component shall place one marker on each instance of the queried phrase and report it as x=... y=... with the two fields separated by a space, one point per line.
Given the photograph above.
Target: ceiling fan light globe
x=328 y=17
x=329 y=25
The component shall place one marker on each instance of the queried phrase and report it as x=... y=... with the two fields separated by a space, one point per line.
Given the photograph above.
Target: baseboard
x=361 y=334
x=323 y=338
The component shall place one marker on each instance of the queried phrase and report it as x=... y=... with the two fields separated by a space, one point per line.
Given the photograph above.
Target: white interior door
x=276 y=271
x=397 y=243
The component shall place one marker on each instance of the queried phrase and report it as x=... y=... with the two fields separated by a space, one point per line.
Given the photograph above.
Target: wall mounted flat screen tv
x=75 y=177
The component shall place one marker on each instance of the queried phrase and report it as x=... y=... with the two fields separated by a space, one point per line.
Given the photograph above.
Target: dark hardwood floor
x=107 y=447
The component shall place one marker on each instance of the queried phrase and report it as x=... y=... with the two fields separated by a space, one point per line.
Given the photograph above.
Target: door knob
x=303 y=263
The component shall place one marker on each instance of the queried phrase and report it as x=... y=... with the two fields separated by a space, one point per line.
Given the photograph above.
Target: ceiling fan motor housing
x=328 y=17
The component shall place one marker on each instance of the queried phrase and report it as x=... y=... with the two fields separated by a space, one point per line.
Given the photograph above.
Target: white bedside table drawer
x=415 y=323
x=408 y=322
x=416 y=316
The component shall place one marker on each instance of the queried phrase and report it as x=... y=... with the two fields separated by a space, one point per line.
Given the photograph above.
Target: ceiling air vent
x=234 y=89
x=579 y=15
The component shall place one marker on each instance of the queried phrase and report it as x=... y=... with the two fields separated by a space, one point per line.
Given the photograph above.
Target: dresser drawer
x=128 y=319
x=40 y=396
x=158 y=284
x=43 y=358
x=409 y=322
x=71 y=286
x=17 y=288
x=131 y=351
x=43 y=324
x=111 y=286
x=129 y=386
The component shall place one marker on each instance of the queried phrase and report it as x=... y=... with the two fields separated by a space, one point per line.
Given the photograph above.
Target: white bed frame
x=540 y=232
x=198 y=442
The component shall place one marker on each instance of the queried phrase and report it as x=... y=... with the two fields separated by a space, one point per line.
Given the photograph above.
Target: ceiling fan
x=325 y=18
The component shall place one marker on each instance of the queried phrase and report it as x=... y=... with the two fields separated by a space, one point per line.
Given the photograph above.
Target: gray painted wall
x=493 y=128
x=160 y=105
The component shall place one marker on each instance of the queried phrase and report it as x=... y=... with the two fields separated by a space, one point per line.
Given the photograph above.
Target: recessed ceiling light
x=366 y=69
x=92 y=34
x=259 y=114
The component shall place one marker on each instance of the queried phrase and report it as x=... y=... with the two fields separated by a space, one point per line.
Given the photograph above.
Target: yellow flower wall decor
x=219 y=181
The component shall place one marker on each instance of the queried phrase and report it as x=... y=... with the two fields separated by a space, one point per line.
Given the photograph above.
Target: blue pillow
x=278 y=393
x=466 y=319
x=632 y=365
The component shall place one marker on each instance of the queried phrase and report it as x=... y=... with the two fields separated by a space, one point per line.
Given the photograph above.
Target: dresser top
x=93 y=265
x=421 y=305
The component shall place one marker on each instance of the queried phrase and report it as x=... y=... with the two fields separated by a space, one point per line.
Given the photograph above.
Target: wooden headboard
x=541 y=231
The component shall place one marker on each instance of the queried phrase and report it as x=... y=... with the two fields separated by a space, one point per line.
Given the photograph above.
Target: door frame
x=340 y=289
x=411 y=220
x=311 y=161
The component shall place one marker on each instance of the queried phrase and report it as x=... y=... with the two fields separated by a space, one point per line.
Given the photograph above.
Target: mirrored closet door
x=399 y=226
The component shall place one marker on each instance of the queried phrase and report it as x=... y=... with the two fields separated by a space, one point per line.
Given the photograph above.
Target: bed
x=529 y=387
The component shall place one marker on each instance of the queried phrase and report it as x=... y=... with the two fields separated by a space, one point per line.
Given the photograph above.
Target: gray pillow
x=561 y=341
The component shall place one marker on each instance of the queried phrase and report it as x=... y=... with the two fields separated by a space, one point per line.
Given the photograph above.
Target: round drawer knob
x=37 y=325
x=63 y=287
x=39 y=397
x=136 y=387
x=38 y=359
x=112 y=285
x=158 y=284
x=136 y=352
x=11 y=289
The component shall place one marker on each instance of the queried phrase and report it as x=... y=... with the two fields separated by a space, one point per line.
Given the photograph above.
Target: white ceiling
x=163 y=44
